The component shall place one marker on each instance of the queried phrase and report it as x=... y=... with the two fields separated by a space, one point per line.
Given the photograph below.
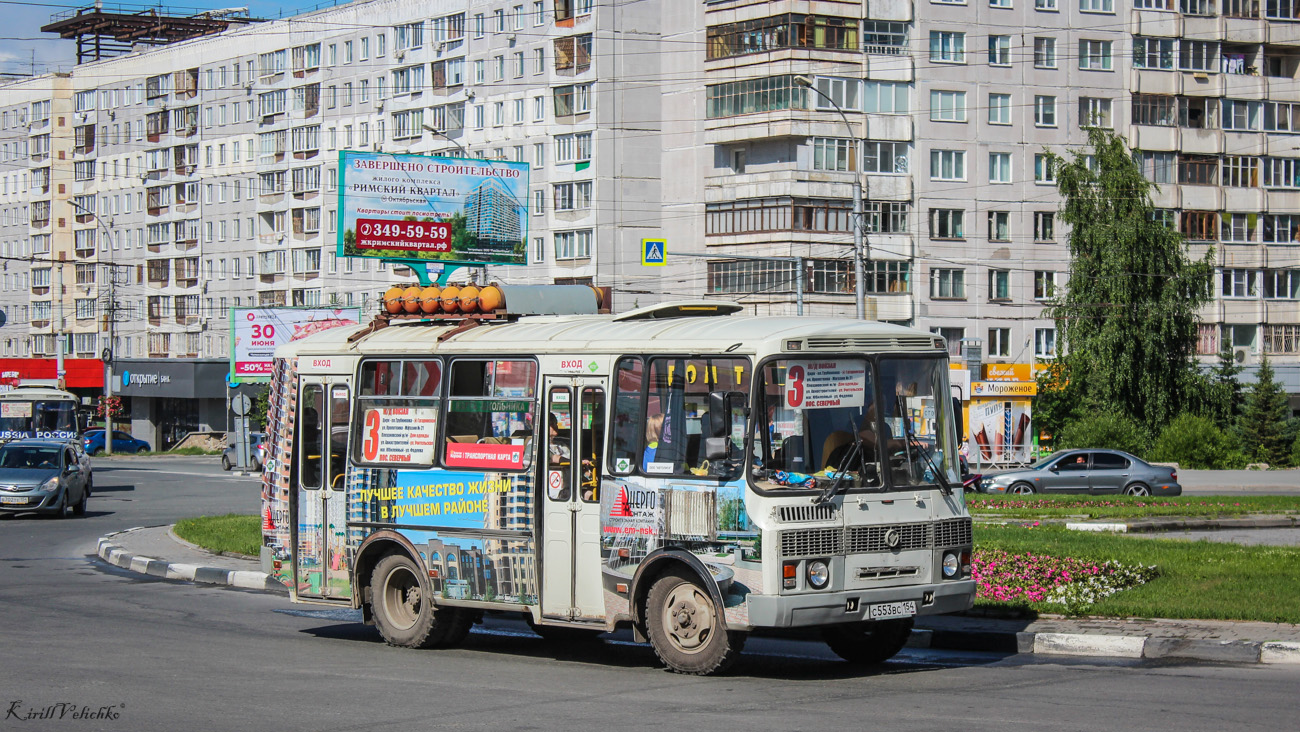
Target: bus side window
x=593 y=437
x=309 y=435
x=628 y=420
x=339 y=418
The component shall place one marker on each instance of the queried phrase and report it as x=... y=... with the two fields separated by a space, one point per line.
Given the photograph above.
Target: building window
x=999 y=109
x=1095 y=55
x=999 y=50
x=1281 y=173
x=948 y=284
x=573 y=244
x=1239 y=228
x=949 y=165
x=1044 y=53
x=782 y=31
x=1044 y=285
x=1281 y=284
x=999 y=226
x=999 y=342
x=1278 y=339
x=1198 y=170
x=778 y=214
x=886 y=97
x=886 y=158
x=947 y=223
x=1239 y=283
x=1197 y=55
x=999 y=284
x=1044 y=111
x=886 y=217
x=1044 y=226
x=1153 y=53
x=833 y=153
x=1240 y=171
x=1241 y=115
x=1200 y=225
x=1045 y=342
x=948 y=106
x=948 y=47
x=1158 y=167
x=1156 y=110
x=1097 y=6
x=884 y=37
x=1094 y=112
x=999 y=167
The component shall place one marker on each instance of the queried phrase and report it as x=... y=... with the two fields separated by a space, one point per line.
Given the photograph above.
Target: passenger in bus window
x=654 y=426
x=559 y=451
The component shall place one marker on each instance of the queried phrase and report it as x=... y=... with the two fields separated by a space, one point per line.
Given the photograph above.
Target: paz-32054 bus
x=681 y=469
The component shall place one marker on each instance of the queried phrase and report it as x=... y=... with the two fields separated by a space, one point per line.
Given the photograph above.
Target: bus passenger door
x=572 y=585
x=320 y=446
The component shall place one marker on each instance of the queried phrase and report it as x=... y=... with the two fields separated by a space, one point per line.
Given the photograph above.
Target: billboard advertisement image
x=433 y=208
x=257 y=332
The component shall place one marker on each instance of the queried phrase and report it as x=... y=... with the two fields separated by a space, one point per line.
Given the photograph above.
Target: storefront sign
x=180 y=379
x=78 y=373
x=400 y=435
x=825 y=384
x=432 y=208
x=1008 y=372
x=1004 y=388
x=259 y=331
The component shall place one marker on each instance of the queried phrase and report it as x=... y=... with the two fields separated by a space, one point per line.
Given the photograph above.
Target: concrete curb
x=115 y=555
x=1112 y=646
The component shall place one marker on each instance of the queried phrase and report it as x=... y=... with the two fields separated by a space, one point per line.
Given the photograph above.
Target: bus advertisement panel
x=432 y=208
x=257 y=332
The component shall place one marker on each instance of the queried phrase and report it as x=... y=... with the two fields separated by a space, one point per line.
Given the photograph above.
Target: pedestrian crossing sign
x=654 y=252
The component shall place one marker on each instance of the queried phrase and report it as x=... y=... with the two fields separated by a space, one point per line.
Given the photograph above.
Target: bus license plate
x=885 y=610
x=16 y=500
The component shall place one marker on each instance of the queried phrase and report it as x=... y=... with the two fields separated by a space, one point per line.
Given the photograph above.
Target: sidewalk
x=158 y=552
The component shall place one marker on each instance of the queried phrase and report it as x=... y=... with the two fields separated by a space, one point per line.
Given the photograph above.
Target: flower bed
x=1039 y=578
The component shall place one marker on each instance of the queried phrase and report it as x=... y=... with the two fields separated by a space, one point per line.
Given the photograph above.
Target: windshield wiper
x=842 y=470
x=914 y=441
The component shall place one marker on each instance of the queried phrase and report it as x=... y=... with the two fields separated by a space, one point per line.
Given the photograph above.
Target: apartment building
x=165 y=186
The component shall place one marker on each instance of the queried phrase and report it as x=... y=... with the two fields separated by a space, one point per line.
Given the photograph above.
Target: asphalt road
x=164 y=655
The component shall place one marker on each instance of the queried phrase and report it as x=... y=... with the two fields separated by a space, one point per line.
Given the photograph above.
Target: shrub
x=1112 y=431
x=1196 y=442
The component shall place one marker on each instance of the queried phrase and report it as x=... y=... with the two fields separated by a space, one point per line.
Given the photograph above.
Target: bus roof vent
x=869 y=343
x=681 y=309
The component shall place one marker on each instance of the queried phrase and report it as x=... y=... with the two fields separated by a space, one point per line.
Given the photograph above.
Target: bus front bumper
x=825 y=608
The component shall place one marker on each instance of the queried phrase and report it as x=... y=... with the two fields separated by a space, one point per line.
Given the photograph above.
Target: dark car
x=122 y=442
x=1087 y=471
x=44 y=476
x=256 y=453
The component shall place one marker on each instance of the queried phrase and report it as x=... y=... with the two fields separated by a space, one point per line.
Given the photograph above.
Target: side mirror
x=719 y=414
x=724 y=408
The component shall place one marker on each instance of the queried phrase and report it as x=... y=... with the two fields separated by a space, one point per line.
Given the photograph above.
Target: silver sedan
x=44 y=476
x=1087 y=471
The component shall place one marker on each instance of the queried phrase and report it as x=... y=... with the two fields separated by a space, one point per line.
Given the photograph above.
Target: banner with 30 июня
x=257 y=332
x=432 y=208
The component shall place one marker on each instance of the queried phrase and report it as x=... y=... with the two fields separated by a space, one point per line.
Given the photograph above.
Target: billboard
x=432 y=208
x=257 y=332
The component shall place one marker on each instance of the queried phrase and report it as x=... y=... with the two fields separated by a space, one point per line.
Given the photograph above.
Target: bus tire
x=404 y=612
x=869 y=642
x=686 y=628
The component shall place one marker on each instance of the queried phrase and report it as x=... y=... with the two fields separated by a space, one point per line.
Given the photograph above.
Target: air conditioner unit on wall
x=1241 y=354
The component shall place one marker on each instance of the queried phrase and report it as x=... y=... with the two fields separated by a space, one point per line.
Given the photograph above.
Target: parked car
x=256 y=453
x=1087 y=471
x=122 y=442
x=44 y=476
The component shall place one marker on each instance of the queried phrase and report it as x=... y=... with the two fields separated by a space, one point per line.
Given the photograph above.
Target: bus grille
x=812 y=542
x=956 y=532
x=806 y=513
x=870 y=539
x=877 y=538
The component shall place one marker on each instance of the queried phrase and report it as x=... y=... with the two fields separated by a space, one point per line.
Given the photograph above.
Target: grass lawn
x=1200 y=580
x=229 y=533
x=1125 y=507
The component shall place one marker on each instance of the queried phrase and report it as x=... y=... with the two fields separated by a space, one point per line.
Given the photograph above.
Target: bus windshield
x=38 y=418
x=865 y=424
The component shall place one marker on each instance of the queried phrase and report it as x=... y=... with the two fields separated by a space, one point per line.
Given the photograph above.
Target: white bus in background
x=39 y=411
x=681 y=469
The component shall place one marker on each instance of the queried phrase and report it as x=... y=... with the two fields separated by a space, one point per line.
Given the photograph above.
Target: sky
x=22 y=40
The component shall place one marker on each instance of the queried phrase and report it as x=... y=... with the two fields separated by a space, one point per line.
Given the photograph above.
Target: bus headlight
x=819 y=575
x=951 y=564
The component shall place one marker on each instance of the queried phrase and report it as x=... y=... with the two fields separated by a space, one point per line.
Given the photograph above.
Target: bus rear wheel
x=870 y=642
x=404 y=610
x=686 y=627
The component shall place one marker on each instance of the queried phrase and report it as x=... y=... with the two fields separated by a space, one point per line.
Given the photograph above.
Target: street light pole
x=859 y=245
x=107 y=350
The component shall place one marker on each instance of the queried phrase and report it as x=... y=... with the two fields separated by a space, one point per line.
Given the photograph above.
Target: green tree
x=1223 y=398
x=1126 y=322
x=1263 y=420
x=1106 y=430
x=1196 y=442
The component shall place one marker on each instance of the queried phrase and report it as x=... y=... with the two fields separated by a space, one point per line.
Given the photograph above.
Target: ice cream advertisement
x=1000 y=431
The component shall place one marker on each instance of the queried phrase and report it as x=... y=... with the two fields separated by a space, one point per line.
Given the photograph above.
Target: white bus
x=681 y=469
x=38 y=411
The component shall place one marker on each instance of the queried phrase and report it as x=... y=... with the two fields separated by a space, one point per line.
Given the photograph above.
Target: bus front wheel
x=405 y=613
x=868 y=642
x=686 y=627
